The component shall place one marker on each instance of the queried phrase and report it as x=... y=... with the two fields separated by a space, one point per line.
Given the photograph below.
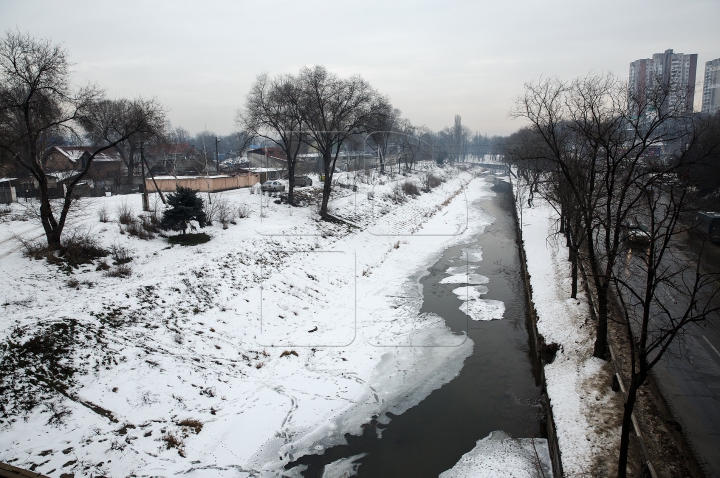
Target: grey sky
x=433 y=59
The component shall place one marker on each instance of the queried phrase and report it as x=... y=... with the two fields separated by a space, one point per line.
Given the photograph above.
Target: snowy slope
x=200 y=333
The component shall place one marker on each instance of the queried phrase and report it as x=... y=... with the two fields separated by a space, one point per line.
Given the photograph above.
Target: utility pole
x=217 y=157
x=145 y=199
x=152 y=176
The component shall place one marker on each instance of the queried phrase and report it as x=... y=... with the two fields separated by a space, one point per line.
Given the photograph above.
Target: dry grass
x=104 y=214
x=397 y=195
x=172 y=441
x=121 y=271
x=120 y=254
x=138 y=230
x=410 y=188
x=195 y=425
x=431 y=182
x=243 y=211
x=149 y=223
x=125 y=213
x=78 y=247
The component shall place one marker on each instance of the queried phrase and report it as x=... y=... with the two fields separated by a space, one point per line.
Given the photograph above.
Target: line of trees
x=322 y=112
x=316 y=108
x=609 y=162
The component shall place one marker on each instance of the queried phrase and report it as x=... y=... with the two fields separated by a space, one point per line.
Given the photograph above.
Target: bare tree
x=662 y=292
x=601 y=156
x=333 y=110
x=272 y=111
x=38 y=106
x=599 y=147
x=382 y=128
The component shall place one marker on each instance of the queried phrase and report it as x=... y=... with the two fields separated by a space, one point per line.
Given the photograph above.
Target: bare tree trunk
x=291 y=182
x=574 y=261
x=52 y=233
x=600 y=348
x=326 y=188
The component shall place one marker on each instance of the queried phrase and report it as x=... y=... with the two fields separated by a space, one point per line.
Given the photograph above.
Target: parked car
x=302 y=181
x=707 y=226
x=635 y=233
x=272 y=186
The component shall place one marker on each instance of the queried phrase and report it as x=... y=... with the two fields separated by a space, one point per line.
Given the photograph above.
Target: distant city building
x=711 y=87
x=675 y=70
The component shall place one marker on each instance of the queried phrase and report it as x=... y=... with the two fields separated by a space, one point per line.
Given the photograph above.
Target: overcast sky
x=433 y=59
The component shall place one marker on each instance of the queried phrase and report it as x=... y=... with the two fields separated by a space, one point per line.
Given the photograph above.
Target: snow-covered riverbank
x=278 y=336
x=586 y=410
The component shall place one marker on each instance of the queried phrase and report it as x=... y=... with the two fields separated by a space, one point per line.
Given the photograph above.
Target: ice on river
x=484 y=309
x=464 y=275
x=465 y=279
x=477 y=308
x=470 y=292
x=472 y=254
x=343 y=468
x=498 y=454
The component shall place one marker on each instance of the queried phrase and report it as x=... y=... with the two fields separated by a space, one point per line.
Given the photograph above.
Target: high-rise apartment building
x=675 y=70
x=711 y=87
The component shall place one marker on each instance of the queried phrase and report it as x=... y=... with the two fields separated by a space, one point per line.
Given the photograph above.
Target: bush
x=219 y=210
x=396 y=195
x=185 y=206
x=34 y=249
x=196 y=425
x=137 y=230
x=122 y=271
x=80 y=247
x=120 y=254
x=210 y=208
x=172 y=441
x=150 y=223
x=225 y=213
x=410 y=188
x=432 y=181
x=104 y=214
x=73 y=283
x=125 y=213
x=243 y=211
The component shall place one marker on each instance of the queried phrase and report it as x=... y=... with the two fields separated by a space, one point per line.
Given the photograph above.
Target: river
x=498 y=387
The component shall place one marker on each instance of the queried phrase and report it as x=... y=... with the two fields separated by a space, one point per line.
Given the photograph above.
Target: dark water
x=497 y=388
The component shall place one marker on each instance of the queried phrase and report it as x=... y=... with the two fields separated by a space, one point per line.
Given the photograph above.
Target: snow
x=472 y=254
x=477 y=308
x=483 y=309
x=343 y=468
x=499 y=455
x=584 y=407
x=470 y=293
x=200 y=332
x=465 y=279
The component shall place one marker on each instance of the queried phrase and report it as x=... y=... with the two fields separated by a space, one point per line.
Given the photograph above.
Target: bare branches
x=316 y=108
x=602 y=151
x=38 y=107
